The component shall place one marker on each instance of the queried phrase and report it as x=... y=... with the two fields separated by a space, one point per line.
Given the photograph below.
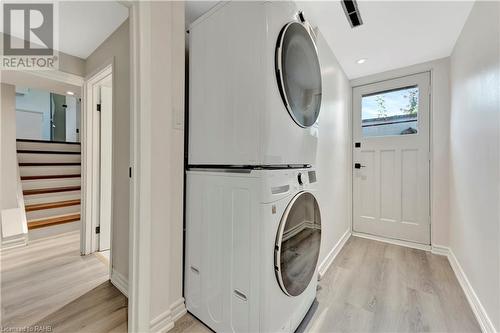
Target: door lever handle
x=359 y=166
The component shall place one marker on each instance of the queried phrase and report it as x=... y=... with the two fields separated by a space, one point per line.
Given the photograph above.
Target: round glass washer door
x=298 y=73
x=297 y=244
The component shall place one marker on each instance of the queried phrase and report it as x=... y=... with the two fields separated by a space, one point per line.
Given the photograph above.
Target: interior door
x=391 y=159
x=106 y=136
x=58 y=114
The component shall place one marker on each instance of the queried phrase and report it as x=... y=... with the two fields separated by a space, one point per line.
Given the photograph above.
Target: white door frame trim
x=430 y=71
x=140 y=163
x=90 y=163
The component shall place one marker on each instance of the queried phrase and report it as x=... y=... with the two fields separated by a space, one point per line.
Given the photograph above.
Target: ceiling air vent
x=352 y=12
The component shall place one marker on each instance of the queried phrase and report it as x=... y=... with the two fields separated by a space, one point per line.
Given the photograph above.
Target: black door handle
x=358 y=166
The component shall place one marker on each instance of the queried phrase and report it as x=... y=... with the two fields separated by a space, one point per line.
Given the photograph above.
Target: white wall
x=8 y=148
x=36 y=101
x=440 y=118
x=156 y=275
x=333 y=161
x=474 y=155
x=116 y=48
x=167 y=168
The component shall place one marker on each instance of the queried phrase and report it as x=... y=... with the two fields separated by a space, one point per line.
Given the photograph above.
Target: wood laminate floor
x=49 y=283
x=378 y=287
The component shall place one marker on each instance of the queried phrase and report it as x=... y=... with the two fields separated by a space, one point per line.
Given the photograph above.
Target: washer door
x=298 y=73
x=297 y=244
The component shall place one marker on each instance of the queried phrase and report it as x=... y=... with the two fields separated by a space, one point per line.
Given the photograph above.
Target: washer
x=255 y=86
x=252 y=243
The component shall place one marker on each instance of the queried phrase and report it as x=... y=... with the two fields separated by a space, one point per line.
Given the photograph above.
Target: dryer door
x=297 y=244
x=298 y=73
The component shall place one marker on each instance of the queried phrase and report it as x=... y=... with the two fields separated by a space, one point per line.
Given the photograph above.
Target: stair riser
x=51 y=197
x=47 y=158
x=47 y=146
x=50 y=183
x=46 y=213
x=50 y=170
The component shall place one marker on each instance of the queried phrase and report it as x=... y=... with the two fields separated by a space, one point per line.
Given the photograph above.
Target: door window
x=299 y=74
x=393 y=112
x=297 y=244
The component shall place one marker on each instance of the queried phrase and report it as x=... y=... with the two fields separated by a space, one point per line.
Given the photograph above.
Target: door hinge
x=99 y=107
x=98 y=230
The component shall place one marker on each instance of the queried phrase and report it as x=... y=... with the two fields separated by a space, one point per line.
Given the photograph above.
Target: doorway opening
x=391 y=174
x=99 y=169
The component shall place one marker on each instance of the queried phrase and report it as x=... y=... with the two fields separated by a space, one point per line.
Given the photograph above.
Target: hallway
x=378 y=287
x=43 y=277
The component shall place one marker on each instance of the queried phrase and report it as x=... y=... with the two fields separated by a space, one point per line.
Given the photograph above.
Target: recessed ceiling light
x=361 y=61
x=70 y=93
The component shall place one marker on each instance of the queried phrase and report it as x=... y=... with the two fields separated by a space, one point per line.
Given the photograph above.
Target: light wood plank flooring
x=48 y=281
x=378 y=287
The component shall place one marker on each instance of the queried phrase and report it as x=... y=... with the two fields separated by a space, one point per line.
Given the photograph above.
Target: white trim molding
x=440 y=250
x=119 y=281
x=165 y=321
x=59 y=76
x=327 y=262
x=393 y=241
x=162 y=323
x=178 y=309
x=477 y=307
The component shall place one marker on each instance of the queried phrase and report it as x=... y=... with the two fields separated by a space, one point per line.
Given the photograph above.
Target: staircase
x=51 y=182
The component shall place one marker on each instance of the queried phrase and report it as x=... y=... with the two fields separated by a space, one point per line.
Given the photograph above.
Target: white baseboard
x=393 y=241
x=325 y=264
x=440 y=250
x=162 y=323
x=476 y=305
x=178 y=309
x=119 y=281
x=165 y=321
x=481 y=315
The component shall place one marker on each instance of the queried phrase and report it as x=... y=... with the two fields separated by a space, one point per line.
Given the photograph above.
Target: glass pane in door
x=58 y=121
x=393 y=112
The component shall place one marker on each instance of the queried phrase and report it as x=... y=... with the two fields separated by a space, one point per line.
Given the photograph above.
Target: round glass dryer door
x=298 y=73
x=297 y=244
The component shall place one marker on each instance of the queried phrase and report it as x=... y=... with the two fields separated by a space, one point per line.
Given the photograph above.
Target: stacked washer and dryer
x=253 y=224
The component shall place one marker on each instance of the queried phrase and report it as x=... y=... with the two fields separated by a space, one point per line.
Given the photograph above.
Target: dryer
x=252 y=244
x=255 y=86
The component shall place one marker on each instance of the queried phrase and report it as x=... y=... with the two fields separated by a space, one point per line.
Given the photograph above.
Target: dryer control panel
x=306 y=177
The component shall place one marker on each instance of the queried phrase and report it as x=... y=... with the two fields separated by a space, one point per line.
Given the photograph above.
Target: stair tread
x=61 y=152
x=50 y=205
x=49 y=142
x=51 y=190
x=75 y=175
x=50 y=221
x=48 y=163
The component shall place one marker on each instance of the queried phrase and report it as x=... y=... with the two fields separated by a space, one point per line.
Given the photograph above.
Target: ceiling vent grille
x=352 y=12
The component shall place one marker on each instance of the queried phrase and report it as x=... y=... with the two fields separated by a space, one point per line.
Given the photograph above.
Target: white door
x=391 y=159
x=106 y=137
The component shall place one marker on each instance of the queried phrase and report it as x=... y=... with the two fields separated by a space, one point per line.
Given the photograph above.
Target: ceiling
x=84 y=25
x=395 y=34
